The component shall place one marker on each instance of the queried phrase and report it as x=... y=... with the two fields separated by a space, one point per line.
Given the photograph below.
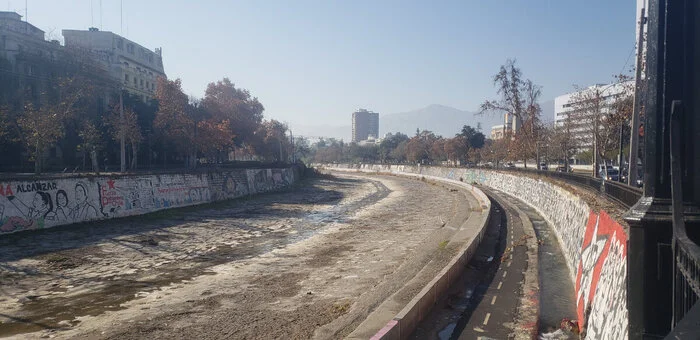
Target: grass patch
x=340 y=308
x=443 y=244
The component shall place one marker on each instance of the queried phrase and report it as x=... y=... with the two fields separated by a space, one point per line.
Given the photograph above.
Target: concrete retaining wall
x=49 y=202
x=595 y=246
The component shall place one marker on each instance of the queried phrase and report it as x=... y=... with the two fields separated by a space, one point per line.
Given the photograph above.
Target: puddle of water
x=558 y=335
x=446 y=333
x=556 y=289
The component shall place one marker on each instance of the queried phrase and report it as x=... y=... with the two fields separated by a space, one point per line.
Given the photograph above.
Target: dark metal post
x=649 y=258
x=650 y=261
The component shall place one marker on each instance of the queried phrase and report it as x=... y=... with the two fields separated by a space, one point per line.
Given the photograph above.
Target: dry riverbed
x=309 y=262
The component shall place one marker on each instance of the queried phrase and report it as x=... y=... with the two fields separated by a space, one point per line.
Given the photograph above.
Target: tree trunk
x=95 y=165
x=37 y=159
x=134 y=154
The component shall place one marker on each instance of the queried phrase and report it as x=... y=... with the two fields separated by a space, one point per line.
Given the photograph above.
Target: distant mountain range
x=442 y=120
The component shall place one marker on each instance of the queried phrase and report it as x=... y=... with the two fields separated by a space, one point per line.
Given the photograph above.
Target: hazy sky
x=314 y=62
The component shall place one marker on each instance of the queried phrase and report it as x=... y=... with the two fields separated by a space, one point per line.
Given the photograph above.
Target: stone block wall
x=594 y=244
x=51 y=201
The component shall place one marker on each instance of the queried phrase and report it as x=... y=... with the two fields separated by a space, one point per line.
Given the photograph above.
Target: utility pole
x=596 y=119
x=638 y=91
x=619 y=157
x=122 y=142
x=291 y=141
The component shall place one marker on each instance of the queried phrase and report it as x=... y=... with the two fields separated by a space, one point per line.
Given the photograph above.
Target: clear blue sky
x=314 y=62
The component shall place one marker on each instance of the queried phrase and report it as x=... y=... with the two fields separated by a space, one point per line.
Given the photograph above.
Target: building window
x=126 y=77
x=120 y=43
x=141 y=82
x=130 y=48
x=134 y=81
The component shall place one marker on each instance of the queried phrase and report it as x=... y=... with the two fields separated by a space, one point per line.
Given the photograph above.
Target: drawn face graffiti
x=61 y=199
x=38 y=202
x=80 y=194
x=230 y=185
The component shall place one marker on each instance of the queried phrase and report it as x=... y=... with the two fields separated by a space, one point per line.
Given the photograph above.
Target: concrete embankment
x=593 y=243
x=470 y=233
x=47 y=201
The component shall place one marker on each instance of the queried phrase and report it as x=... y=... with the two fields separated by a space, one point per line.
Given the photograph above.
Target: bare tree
x=519 y=98
x=127 y=127
x=563 y=142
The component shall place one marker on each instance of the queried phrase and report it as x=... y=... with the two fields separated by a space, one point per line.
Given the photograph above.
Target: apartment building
x=365 y=125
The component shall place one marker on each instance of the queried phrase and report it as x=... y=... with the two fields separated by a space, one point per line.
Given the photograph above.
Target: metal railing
x=686 y=253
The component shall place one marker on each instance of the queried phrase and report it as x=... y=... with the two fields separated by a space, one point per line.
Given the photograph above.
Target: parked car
x=543 y=166
x=564 y=168
x=510 y=165
x=610 y=174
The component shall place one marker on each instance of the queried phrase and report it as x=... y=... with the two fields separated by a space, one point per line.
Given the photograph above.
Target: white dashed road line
x=486 y=319
x=493 y=300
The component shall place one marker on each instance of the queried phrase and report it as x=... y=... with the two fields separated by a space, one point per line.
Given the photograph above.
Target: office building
x=365 y=125
x=134 y=66
x=580 y=123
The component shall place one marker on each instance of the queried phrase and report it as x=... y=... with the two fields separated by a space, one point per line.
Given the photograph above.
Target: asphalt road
x=483 y=302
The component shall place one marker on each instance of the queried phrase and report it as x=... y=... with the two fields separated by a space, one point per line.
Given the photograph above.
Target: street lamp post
x=671 y=79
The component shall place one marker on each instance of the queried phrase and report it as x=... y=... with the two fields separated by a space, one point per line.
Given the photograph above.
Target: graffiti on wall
x=40 y=204
x=27 y=205
x=601 y=276
x=228 y=184
x=263 y=180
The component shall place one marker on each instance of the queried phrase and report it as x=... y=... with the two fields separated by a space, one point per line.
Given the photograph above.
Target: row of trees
x=71 y=113
x=424 y=147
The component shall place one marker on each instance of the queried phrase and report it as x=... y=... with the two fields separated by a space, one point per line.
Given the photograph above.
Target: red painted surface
x=600 y=232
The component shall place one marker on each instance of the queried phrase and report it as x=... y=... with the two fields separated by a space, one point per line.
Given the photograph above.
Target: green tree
x=473 y=136
x=389 y=144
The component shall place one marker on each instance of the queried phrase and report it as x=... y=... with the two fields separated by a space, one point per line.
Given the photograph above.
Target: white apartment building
x=135 y=66
x=580 y=123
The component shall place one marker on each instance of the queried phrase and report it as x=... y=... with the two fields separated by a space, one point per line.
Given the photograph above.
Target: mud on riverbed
x=312 y=261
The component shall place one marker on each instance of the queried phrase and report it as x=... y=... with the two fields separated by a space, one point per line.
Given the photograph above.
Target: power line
x=628 y=59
